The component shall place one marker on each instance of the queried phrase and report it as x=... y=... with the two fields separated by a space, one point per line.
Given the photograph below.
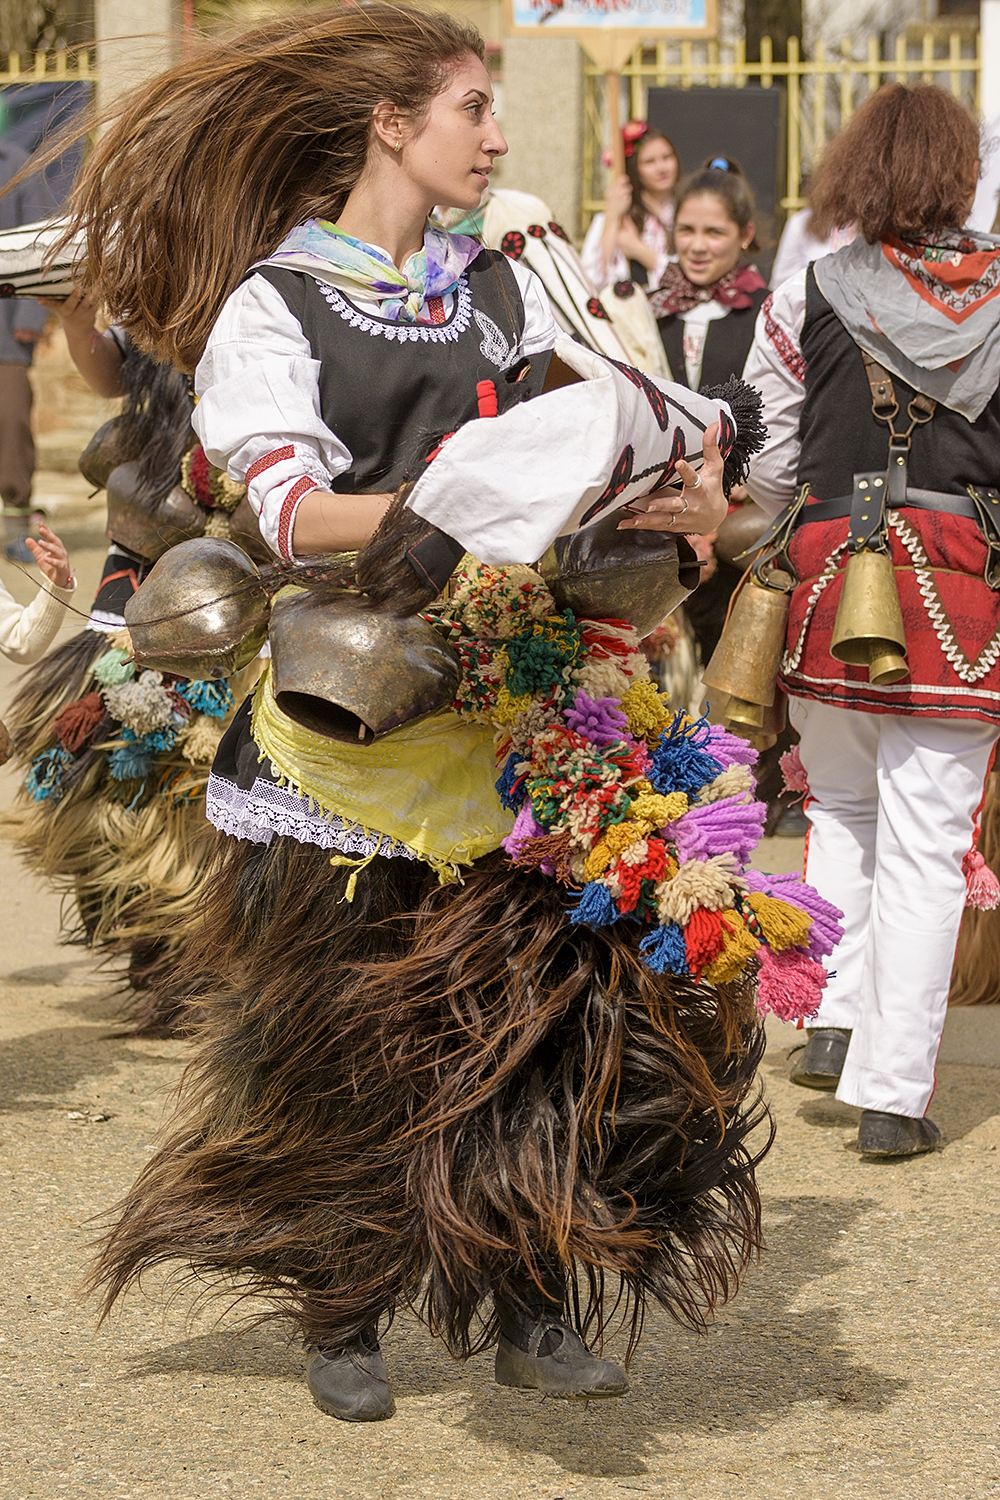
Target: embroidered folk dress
x=302 y=386
x=895 y=773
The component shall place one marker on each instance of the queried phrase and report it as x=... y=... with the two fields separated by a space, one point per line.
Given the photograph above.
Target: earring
x=398 y=146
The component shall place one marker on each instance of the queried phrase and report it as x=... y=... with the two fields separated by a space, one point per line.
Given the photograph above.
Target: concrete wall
x=543 y=122
x=135 y=39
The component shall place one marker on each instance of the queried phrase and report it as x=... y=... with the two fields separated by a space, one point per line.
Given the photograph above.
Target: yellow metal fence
x=822 y=91
x=48 y=65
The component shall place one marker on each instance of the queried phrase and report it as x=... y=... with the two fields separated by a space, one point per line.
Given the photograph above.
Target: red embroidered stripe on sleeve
x=276 y=457
x=790 y=357
x=287 y=515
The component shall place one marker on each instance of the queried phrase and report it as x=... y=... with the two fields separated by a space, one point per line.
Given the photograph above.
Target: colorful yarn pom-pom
x=789 y=985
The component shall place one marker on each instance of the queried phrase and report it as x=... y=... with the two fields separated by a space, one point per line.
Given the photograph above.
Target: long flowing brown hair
x=208 y=166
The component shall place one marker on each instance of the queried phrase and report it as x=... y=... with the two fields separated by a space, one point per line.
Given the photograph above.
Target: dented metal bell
x=201 y=613
x=601 y=573
x=353 y=674
x=149 y=530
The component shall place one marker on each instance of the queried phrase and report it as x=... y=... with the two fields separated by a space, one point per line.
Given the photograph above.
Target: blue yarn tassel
x=133 y=761
x=44 y=779
x=511 y=795
x=663 y=950
x=212 y=698
x=595 y=908
x=677 y=764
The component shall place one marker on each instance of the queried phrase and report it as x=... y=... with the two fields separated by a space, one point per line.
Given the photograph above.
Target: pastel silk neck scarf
x=353 y=266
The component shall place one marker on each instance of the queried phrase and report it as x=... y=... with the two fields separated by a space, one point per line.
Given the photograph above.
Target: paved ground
x=860 y=1360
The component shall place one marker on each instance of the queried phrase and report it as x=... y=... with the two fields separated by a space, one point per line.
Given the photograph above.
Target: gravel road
x=859 y=1360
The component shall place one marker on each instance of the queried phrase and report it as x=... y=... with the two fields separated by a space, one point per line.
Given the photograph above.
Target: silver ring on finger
x=696 y=485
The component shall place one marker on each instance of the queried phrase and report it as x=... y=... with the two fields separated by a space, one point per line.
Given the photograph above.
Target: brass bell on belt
x=868 y=631
x=202 y=611
x=745 y=662
x=353 y=673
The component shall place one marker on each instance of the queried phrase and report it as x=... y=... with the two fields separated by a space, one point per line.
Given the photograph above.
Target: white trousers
x=892 y=804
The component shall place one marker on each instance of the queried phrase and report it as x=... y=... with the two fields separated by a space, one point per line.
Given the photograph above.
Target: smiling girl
x=632 y=237
x=707 y=302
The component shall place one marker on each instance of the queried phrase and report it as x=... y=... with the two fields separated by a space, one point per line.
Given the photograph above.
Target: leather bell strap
x=980 y=504
x=434 y=558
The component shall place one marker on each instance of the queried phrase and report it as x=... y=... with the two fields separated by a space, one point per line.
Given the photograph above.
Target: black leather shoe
x=351 y=1384
x=821 y=1062
x=881 y=1134
x=569 y=1373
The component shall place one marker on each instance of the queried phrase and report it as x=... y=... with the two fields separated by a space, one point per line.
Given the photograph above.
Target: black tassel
x=744 y=401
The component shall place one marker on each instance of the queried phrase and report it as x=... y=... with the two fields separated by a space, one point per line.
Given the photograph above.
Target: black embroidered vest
x=841 y=436
x=389 y=389
x=727 y=343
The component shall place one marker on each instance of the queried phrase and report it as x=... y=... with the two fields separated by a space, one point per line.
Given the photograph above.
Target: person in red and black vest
x=879 y=367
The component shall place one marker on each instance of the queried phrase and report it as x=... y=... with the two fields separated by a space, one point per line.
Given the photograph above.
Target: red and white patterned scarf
x=676 y=294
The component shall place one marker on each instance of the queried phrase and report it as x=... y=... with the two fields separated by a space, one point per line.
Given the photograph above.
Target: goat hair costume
x=513 y=1029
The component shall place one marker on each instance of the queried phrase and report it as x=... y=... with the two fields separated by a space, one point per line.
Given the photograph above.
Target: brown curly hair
x=906 y=164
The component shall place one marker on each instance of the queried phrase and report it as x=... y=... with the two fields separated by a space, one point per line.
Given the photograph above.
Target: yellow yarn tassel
x=740 y=946
x=359 y=865
x=783 y=926
x=659 y=811
x=647 y=711
x=615 y=841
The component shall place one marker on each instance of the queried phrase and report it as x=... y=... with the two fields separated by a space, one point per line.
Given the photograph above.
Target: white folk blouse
x=258 y=389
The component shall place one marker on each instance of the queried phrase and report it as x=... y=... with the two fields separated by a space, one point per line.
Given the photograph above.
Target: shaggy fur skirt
x=418 y=1097
x=131 y=860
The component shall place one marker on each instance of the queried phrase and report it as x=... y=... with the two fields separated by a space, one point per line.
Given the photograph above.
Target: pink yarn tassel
x=790 y=984
x=793 y=772
x=982 y=888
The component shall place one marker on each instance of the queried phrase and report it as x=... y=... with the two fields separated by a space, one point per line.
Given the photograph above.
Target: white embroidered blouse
x=776 y=367
x=258 y=389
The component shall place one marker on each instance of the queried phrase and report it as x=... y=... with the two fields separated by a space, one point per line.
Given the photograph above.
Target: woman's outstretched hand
x=699 y=507
x=51 y=556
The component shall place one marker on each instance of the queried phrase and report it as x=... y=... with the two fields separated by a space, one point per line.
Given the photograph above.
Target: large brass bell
x=742 y=528
x=745 y=663
x=201 y=613
x=353 y=673
x=601 y=573
x=868 y=631
x=104 y=452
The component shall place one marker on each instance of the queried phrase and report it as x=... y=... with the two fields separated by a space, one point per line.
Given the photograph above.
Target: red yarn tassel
x=703 y=939
x=982 y=888
x=77 y=722
x=486 y=394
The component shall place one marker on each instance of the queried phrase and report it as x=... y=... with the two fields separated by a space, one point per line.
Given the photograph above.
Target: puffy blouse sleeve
x=539 y=324
x=258 y=413
x=775 y=365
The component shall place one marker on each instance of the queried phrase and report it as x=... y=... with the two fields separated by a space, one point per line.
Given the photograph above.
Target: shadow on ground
x=964 y=1098
x=759 y=1359
x=48 y=1065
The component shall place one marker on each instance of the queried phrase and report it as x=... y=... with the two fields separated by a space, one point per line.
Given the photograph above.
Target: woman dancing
x=417 y=1081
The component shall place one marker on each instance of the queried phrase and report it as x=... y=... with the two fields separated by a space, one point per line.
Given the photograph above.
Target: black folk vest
x=841 y=436
x=389 y=390
x=727 y=343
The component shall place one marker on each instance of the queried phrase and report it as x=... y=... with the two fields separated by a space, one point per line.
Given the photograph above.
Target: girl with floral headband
x=631 y=239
